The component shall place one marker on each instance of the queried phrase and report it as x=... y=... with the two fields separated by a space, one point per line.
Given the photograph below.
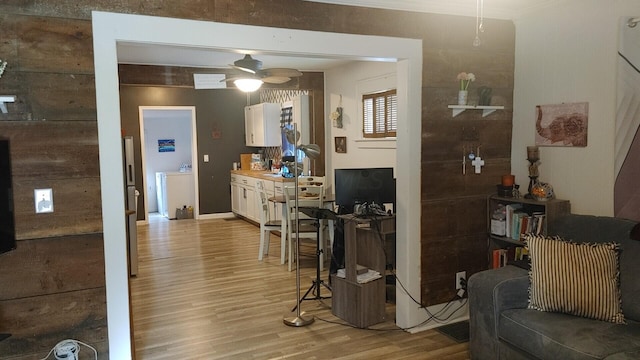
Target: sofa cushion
x=602 y=229
x=578 y=279
x=547 y=335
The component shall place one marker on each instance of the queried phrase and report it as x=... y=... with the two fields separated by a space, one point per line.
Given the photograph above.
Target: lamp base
x=297 y=321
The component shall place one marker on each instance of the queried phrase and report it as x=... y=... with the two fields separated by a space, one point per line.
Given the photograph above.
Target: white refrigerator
x=131 y=204
x=174 y=191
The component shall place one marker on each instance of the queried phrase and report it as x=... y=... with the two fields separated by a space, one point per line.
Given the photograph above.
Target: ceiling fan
x=252 y=69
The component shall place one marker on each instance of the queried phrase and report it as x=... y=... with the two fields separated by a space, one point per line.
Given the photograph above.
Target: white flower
x=465 y=79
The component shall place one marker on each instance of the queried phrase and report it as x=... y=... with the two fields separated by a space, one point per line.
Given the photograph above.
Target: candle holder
x=533 y=156
x=532 y=181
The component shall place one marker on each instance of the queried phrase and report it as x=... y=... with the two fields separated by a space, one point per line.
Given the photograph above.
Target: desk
x=327 y=201
x=362 y=304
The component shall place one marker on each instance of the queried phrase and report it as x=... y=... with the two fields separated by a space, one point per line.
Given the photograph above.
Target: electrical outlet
x=461 y=275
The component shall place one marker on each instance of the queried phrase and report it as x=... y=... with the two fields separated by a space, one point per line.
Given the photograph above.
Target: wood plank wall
x=53 y=289
x=48 y=46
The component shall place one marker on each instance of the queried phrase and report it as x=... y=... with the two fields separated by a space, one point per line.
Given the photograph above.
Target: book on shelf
x=519 y=222
x=499 y=258
x=539 y=219
x=502 y=257
x=523 y=223
x=520 y=253
x=510 y=209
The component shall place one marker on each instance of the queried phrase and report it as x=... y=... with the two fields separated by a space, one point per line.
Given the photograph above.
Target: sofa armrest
x=490 y=293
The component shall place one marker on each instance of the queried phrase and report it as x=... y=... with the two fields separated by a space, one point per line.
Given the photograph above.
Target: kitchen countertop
x=265 y=175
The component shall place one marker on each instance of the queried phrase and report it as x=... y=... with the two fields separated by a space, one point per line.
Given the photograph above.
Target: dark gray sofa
x=501 y=326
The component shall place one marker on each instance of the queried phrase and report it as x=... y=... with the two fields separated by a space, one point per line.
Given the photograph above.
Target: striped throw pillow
x=580 y=279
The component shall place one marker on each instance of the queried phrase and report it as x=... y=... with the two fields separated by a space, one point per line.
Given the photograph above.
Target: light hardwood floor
x=201 y=293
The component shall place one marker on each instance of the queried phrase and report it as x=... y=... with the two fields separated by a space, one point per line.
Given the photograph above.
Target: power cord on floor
x=68 y=350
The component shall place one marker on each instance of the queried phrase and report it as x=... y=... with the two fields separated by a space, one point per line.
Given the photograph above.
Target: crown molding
x=495 y=9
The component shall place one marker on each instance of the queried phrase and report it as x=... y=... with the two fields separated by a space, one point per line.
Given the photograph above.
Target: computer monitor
x=7 y=224
x=367 y=185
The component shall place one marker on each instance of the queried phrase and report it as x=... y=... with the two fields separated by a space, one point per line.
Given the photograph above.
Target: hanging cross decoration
x=477 y=162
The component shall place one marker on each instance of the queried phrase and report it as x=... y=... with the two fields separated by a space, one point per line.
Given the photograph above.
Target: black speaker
x=7 y=219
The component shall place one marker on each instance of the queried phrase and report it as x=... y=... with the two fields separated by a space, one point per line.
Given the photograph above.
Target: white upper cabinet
x=300 y=115
x=262 y=124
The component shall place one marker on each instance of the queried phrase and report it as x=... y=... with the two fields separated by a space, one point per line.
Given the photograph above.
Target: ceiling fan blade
x=243 y=69
x=252 y=66
x=280 y=72
x=234 y=78
x=276 y=79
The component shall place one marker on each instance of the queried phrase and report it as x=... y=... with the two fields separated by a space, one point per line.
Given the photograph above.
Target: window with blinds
x=380 y=112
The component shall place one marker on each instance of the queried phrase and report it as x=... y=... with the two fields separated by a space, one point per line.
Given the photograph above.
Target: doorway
x=626 y=193
x=109 y=29
x=175 y=125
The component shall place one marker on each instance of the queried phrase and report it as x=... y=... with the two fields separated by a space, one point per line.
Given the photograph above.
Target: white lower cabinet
x=244 y=199
x=236 y=194
x=252 y=211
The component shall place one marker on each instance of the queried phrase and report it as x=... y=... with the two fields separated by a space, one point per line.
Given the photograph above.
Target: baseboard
x=227 y=215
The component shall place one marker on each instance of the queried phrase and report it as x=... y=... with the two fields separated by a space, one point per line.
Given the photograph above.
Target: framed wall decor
x=562 y=124
x=166 y=145
x=341 y=144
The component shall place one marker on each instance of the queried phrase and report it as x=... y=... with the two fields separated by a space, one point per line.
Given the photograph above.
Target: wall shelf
x=486 y=110
x=6 y=99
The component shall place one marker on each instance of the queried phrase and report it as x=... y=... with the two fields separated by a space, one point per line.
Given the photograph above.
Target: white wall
x=351 y=82
x=567 y=53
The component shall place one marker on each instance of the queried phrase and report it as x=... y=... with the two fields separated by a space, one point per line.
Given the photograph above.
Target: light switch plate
x=43 y=200
x=206 y=158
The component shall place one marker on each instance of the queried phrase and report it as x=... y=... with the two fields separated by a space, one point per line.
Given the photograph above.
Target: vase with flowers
x=465 y=79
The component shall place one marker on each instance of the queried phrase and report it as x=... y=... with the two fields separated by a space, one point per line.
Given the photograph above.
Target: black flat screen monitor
x=368 y=185
x=7 y=225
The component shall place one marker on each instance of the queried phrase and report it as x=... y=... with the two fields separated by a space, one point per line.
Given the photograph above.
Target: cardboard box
x=245 y=161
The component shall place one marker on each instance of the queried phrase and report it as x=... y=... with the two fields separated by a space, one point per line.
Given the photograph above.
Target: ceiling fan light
x=248 y=85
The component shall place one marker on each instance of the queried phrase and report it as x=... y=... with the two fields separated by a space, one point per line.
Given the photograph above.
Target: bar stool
x=266 y=224
x=308 y=196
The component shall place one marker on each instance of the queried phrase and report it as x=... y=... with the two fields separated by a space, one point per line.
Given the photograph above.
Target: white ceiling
x=168 y=55
x=495 y=9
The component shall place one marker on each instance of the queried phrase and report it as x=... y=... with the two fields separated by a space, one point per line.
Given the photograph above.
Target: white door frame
x=110 y=28
x=194 y=154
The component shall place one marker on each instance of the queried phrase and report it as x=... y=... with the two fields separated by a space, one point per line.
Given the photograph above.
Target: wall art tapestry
x=562 y=124
x=167 y=145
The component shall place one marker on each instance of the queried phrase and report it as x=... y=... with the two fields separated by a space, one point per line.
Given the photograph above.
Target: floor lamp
x=312 y=151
